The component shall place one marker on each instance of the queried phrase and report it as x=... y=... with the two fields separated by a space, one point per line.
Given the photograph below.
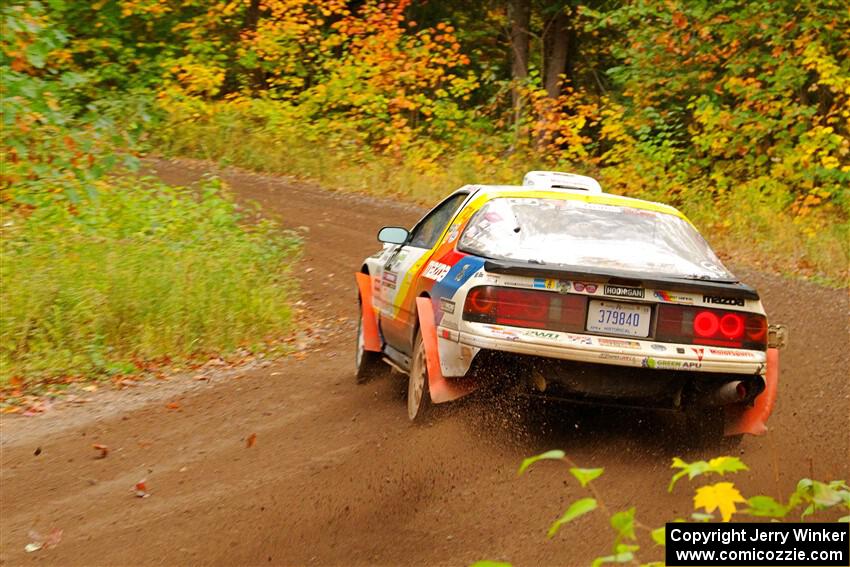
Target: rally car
x=575 y=293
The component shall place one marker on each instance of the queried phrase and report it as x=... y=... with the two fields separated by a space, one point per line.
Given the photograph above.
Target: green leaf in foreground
x=718 y=465
x=766 y=506
x=658 y=536
x=576 y=509
x=624 y=523
x=584 y=476
x=488 y=563
x=618 y=558
x=554 y=455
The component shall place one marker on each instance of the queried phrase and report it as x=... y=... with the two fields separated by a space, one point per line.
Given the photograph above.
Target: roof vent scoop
x=560 y=180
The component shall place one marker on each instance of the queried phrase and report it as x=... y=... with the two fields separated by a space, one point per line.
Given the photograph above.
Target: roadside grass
x=144 y=272
x=745 y=224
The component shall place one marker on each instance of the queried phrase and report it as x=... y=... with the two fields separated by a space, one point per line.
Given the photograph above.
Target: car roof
x=482 y=193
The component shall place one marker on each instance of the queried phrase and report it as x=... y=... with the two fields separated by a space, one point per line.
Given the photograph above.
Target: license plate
x=611 y=317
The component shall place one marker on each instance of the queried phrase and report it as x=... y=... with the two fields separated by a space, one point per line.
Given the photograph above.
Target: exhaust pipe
x=728 y=393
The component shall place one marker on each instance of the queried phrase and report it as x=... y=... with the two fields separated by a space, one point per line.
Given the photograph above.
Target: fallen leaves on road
x=43 y=542
x=104 y=450
x=37 y=407
x=251 y=440
x=141 y=489
x=173 y=405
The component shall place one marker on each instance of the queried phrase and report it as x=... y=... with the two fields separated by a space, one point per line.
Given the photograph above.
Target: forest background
x=735 y=111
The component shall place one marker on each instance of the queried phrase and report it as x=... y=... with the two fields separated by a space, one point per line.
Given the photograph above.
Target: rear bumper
x=623 y=351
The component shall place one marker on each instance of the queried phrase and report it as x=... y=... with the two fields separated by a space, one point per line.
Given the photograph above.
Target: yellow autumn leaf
x=721 y=496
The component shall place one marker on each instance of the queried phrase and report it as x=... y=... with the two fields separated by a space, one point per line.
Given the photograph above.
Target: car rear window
x=574 y=233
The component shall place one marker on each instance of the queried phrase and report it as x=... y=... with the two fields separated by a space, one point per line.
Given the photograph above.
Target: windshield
x=575 y=233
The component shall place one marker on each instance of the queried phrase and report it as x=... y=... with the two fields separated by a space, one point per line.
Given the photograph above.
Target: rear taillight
x=525 y=308
x=711 y=327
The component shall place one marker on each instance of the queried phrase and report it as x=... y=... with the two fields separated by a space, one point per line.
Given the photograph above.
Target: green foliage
x=667 y=102
x=624 y=524
x=554 y=455
x=584 y=476
x=810 y=495
x=575 y=510
x=105 y=272
x=718 y=465
x=735 y=111
x=151 y=272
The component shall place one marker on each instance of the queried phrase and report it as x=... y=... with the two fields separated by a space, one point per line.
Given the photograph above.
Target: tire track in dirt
x=339 y=477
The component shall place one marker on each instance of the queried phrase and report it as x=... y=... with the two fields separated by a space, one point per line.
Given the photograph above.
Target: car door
x=400 y=284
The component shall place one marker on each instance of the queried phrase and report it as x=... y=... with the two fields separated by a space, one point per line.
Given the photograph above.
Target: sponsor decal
x=542 y=283
x=503 y=333
x=620 y=357
x=454 y=230
x=680 y=350
x=618 y=343
x=436 y=271
x=623 y=291
x=715 y=300
x=447 y=306
x=727 y=352
x=462 y=273
x=596 y=207
x=548 y=335
x=389 y=279
x=659 y=348
x=588 y=287
x=578 y=339
x=650 y=362
x=563 y=287
x=699 y=352
x=668 y=297
x=517 y=283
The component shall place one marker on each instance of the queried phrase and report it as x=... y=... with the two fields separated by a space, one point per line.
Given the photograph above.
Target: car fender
x=752 y=420
x=371 y=338
x=442 y=390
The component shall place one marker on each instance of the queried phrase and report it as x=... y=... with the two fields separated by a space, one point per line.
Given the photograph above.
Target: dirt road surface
x=337 y=475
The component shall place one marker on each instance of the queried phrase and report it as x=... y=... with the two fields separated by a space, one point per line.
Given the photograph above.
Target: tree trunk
x=519 y=12
x=557 y=48
x=252 y=18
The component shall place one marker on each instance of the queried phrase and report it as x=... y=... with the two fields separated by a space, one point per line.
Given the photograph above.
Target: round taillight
x=732 y=326
x=756 y=327
x=706 y=324
x=479 y=300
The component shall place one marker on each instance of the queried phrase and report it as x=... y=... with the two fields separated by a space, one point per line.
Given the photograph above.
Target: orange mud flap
x=441 y=389
x=752 y=419
x=371 y=339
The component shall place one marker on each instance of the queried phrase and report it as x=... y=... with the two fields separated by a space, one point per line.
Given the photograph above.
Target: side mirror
x=393 y=235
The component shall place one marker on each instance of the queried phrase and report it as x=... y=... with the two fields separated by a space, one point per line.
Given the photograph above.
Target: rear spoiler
x=620 y=277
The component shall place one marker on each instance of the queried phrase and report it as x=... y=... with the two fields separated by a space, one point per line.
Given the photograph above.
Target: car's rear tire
x=368 y=363
x=418 y=395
